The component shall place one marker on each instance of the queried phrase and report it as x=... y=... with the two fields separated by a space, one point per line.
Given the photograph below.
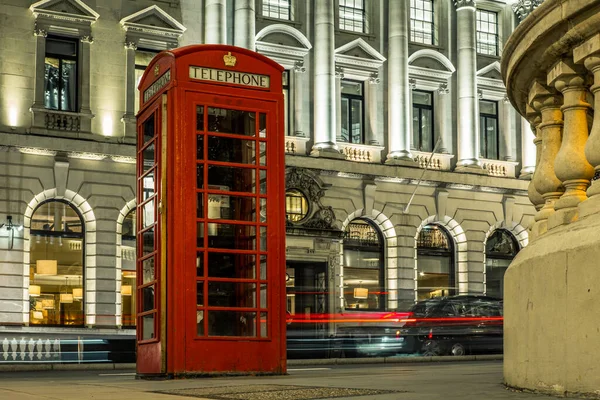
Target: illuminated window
x=422 y=120
x=363 y=267
x=487 y=32
x=60 y=74
x=488 y=129
x=436 y=274
x=280 y=9
x=128 y=269
x=296 y=205
x=352 y=112
x=421 y=21
x=352 y=15
x=500 y=249
x=56 y=290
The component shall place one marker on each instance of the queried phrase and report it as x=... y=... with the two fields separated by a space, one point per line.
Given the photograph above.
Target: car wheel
x=431 y=348
x=458 y=350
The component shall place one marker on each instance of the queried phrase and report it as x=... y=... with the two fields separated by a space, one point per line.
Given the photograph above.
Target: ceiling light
x=34 y=290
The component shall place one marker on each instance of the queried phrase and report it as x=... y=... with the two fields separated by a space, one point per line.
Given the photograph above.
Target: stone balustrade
x=439 y=161
x=361 y=152
x=503 y=169
x=296 y=145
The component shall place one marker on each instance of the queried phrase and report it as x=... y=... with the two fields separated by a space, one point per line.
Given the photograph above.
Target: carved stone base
x=589 y=207
x=469 y=169
x=563 y=217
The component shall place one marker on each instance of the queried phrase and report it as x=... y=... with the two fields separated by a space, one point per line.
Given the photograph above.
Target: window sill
x=45 y=121
x=339 y=31
x=292 y=22
x=427 y=46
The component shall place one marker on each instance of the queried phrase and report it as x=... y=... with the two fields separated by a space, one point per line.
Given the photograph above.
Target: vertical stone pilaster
x=40 y=56
x=244 y=29
x=571 y=166
x=507 y=130
x=339 y=75
x=298 y=88
x=130 y=88
x=215 y=21
x=443 y=120
x=371 y=120
x=468 y=129
x=535 y=119
x=399 y=104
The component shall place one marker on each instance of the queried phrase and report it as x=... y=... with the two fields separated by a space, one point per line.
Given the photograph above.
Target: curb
x=290 y=363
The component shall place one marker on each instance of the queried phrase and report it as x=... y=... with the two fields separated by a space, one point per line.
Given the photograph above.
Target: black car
x=455 y=325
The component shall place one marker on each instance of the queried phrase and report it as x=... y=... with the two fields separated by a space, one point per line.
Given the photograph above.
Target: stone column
x=535 y=119
x=371 y=120
x=507 y=130
x=339 y=75
x=589 y=53
x=468 y=128
x=325 y=128
x=571 y=166
x=215 y=22
x=399 y=104
x=130 y=88
x=40 y=56
x=527 y=150
x=244 y=24
x=547 y=102
x=86 y=41
x=298 y=88
x=443 y=119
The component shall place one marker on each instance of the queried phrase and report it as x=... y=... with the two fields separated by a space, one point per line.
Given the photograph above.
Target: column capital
x=86 y=39
x=412 y=83
x=299 y=67
x=339 y=72
x=464 y=4
x=524 y=7
x=443 y=89
x=131 y=45
x=40 y=32
x=374 y=78
x=565 y=74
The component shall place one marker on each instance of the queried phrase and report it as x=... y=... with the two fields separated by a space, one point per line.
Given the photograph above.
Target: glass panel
x=263 y=181
x=427 y=130
x=344 y=122
x=353 y=88
x=231 y=294
x=235 y=237
x=148 y=158
x=69 y=85
x=232 y=323
x=423 y=98
x=56 y=216
x=231 y=150
x=148 y=128
x=51 y=81
x=148 y=298
x=263 y=238
x=236 y=208
x=199 y=293
x=263 y=153
x=435 y=276
x=494 y=276
x=228 y=265
x=148 y=186
x=148 y=327
x=200 y=118
x=200 y=264
x=487 y=107
x=200 y=322
x=200 y=147
x=356 y=123
x=232 y=178
x=263 y=325
x=434 y=237
x=262 y=125
x=128 y=297
x=263 y=295
x=200 y=205
x=263 y=267
x=148 y=242
x=231 y=121
x=263 y=210
x=148 y=213
x=129 y=226
x=148 y=270
x=200 y=234
x=416 y=133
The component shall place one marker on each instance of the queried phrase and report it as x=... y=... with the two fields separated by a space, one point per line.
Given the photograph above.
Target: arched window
x=296 y=205
x=56 y=271
x=363 y=267
x=500 y=249
x=436 y=272
x=128 y=270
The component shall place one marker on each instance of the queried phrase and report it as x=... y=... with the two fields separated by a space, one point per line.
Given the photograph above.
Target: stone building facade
x=407 y=167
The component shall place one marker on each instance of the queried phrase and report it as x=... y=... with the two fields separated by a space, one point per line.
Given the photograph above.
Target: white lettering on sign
x=157 y=85
x=235 y=77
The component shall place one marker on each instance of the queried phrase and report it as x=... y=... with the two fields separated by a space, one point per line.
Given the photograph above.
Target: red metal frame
x=180 y=347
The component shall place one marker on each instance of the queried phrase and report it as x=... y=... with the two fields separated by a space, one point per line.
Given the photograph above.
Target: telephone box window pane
x=148 y=327
x=263 y=238
x=148 y=269
x=235 y=208
x=232 y=294
x=200 y=293
x=200 y=205
x=233 y=178
x=229 y=265
x=234 y=237
x=148 y=298
x=200 y=118
x=263 y=295
x=148 y=182
x=200 y=264
x=200 y=322
x=262 y=153
x=262 y=125
x=232 y=323
x=200 y=147
x=231 y=121
x=264 y=332
x=263 y=181
x=263 y=267
x=200 y=234
x=263 y=210
x=148 y=157
x=148 y=242
x=148 y=214
x=200 y=176
x=148 y=128
x=231 y=150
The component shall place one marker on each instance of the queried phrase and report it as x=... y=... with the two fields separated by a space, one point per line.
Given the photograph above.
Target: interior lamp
x=34 y=290
x=126 y=290
x=46 y=267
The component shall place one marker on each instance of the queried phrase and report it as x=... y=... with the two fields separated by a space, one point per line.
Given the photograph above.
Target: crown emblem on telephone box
x=229 y=60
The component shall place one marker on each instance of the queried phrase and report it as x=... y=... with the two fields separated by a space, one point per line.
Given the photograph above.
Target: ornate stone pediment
x=282 y=43
x=69 y=10
x=152 y=28
x=319 y=216
x=358 y=59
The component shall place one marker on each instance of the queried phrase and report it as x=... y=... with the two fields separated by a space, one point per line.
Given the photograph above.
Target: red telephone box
x=211 y=221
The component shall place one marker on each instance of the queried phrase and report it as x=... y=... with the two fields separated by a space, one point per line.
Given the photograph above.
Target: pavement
x=464 y=380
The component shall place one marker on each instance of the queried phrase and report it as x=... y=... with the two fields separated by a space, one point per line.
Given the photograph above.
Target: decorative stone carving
x=131 y=45
x=40 y=32
x=320 y=217
x=86 y=39
x=464 y=3
x=299 y=67
x=443 y=88
x=412 y=83
x=339 y=72
x=374 y=78
x=524 y=7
